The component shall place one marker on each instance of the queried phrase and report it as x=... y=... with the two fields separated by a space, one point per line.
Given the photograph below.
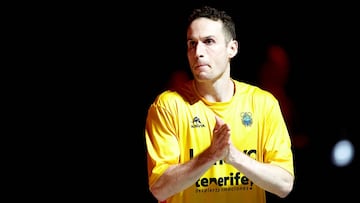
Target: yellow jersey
x=179 y=126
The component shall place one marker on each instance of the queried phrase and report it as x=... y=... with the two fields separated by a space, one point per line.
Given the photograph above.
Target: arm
x=181 y=176
x=274 y=173
x=270 y=177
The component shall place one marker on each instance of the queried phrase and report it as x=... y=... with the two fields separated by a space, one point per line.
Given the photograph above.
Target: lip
x=200 y=66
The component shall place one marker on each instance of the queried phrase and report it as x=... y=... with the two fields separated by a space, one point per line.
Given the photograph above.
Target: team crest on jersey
x=196 y=123
x=246 y=119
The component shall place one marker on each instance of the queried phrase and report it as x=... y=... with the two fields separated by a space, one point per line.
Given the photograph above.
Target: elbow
x=156 y=192
x=286 y=189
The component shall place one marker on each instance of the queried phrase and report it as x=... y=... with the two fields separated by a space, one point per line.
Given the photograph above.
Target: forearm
x=179 y=177
x=270 y=177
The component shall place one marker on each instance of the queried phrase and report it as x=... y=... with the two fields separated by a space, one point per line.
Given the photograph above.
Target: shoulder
x=183 y=95
x=166 y=97
x=246 y=88
x=253 y=91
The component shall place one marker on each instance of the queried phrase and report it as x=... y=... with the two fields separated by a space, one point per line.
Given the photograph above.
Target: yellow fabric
x=179 y=126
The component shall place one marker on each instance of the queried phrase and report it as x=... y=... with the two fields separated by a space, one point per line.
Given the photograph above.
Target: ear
x=233 y=48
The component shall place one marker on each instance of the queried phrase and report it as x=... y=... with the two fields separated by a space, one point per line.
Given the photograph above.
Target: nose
x=200 y=49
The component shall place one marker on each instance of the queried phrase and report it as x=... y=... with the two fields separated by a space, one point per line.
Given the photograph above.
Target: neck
x=218 y=91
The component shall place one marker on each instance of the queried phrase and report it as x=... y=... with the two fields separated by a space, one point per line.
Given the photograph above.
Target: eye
x=191 y=44
x=209 y=41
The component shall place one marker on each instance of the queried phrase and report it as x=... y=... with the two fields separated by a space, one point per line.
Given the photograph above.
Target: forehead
x=204 y=27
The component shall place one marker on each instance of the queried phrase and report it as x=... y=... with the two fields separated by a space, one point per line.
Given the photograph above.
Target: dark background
x=127 y=53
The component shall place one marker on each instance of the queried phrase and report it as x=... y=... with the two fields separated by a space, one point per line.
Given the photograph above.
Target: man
x=216 y=139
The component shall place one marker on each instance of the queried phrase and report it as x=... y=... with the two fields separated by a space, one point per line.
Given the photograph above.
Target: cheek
x=191 y=59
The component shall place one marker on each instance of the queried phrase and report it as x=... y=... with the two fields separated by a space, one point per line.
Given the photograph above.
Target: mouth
x=201 y=67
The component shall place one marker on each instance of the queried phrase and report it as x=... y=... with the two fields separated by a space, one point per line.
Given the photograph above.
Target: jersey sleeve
x=161 y=140
x=278 y=146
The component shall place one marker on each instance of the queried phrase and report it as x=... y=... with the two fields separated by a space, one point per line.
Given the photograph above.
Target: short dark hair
x=215 y=14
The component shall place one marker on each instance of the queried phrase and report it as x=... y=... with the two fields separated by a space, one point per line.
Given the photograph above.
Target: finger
x=219 y=121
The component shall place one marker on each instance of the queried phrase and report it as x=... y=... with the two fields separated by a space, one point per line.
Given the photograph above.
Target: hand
x=221 y=139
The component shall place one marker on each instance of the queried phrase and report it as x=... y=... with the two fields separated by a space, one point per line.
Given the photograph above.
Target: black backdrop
x=127 y=53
